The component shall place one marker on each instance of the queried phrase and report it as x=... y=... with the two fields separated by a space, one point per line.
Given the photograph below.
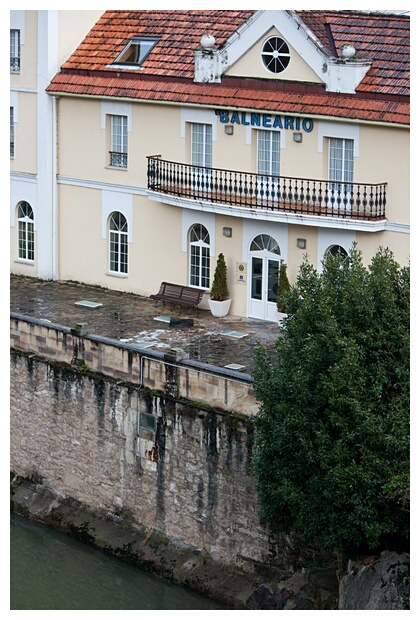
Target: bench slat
x=179 y=294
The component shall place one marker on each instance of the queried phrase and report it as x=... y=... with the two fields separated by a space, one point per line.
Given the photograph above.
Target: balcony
x=356 y=201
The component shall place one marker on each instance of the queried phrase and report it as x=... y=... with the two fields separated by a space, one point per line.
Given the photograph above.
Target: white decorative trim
x=338 y=74
x=121 y=202
x=279 y=232
x=327 y=238
x=208 y=220
x=116 y=108
x=101 y=185
x=197 y=115
x=269 y=216
x=249 y=131
x=334 y=129
x=17 y=22
x=14 y=105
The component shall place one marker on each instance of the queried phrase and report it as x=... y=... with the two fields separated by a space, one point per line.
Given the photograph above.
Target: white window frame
x=118 y=244
x=340 y=171
x=15 y=44
x=199 y=256
x=119 y=141
x=201 y=145
x=268 y=162
x=275 y=54
x=25 y=234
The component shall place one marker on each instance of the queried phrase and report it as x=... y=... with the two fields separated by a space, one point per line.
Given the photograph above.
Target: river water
x=49 y=570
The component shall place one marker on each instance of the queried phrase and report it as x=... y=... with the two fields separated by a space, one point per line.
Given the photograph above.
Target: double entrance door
x=264 y=260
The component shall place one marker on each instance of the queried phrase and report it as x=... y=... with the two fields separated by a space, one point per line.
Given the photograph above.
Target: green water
x=49 y=570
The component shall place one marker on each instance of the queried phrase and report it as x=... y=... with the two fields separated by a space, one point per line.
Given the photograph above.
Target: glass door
x=265 y=267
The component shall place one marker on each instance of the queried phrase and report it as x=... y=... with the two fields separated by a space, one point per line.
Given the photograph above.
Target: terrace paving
x=131 y=318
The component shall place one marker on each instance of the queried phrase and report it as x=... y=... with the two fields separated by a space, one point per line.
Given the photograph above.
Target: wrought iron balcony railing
x=117 y=159
x=14 y=64
x=284 y=194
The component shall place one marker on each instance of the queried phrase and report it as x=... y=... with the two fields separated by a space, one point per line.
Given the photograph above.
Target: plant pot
x=280 y=318
x=219 y=308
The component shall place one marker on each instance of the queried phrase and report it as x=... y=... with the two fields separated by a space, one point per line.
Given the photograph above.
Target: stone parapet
x=215 y=387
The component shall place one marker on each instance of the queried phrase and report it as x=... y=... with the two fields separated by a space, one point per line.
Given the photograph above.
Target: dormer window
x=136 y=51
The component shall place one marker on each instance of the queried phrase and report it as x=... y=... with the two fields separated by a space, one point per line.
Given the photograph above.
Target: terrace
x=355 y=201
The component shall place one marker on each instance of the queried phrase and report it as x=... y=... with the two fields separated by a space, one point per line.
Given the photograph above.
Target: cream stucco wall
x=27 y=76
x=251 y=64
x=73 y=26
x=25 y=130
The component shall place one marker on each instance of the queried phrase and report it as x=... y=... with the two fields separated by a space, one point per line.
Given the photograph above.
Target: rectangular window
x=12 y=133
x=201 y=145
x=118 y=252
x=15 y=51
x=26 y=240
x=119 y=142
x=340 y=171
x=268 y=162
x=341 y=159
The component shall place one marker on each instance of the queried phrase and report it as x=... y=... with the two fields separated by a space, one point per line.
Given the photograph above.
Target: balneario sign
x=269 y=121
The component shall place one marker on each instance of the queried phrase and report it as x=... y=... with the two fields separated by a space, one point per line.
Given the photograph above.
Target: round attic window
x=275 y=54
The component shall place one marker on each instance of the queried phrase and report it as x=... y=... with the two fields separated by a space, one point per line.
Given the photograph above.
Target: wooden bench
x=179 y=295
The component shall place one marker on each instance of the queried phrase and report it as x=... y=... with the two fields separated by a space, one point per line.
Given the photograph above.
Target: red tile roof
x=179 y=34
x=168 y=71
x=385 y=39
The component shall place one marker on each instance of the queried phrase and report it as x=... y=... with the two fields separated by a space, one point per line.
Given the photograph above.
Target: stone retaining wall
x=179 y=469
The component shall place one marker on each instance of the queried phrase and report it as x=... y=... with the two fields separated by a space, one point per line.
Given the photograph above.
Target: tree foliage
x=219 y=290
x=332 y=456
x=283 y=288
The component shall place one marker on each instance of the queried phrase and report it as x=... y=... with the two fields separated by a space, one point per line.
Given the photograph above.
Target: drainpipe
x=54 y=240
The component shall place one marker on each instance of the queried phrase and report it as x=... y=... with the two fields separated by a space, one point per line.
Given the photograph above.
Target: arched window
x=118 y=243
x=265 y=242
x=336 y=250
x=25 y=231
x=199 y=256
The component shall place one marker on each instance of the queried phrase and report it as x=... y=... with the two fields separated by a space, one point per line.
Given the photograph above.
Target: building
x=262 y=135
x=39 y=42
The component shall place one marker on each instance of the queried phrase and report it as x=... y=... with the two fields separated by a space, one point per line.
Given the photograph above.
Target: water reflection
x=49 y=570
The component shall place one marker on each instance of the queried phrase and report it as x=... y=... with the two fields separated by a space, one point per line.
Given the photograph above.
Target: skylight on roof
x=136 y=51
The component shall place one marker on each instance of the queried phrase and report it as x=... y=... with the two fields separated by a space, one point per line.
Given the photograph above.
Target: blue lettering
x=243 y=119
x=255 y=119
x=307 y=124
x=224 y=116
x=288 y=122
x=277 y=122
x=235 y=118
x=266 y=120
x=297 y=123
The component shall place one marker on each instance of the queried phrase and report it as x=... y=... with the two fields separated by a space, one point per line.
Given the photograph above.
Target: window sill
x=24 y=261
x=114 y=274
x=125 y=168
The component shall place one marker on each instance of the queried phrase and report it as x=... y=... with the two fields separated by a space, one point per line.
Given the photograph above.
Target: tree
x=332 y=455
x=219 y=290
x=283 y=288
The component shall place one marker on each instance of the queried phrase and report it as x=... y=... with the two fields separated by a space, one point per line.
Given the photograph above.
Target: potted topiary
x=283 y=290
x=219 y=301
